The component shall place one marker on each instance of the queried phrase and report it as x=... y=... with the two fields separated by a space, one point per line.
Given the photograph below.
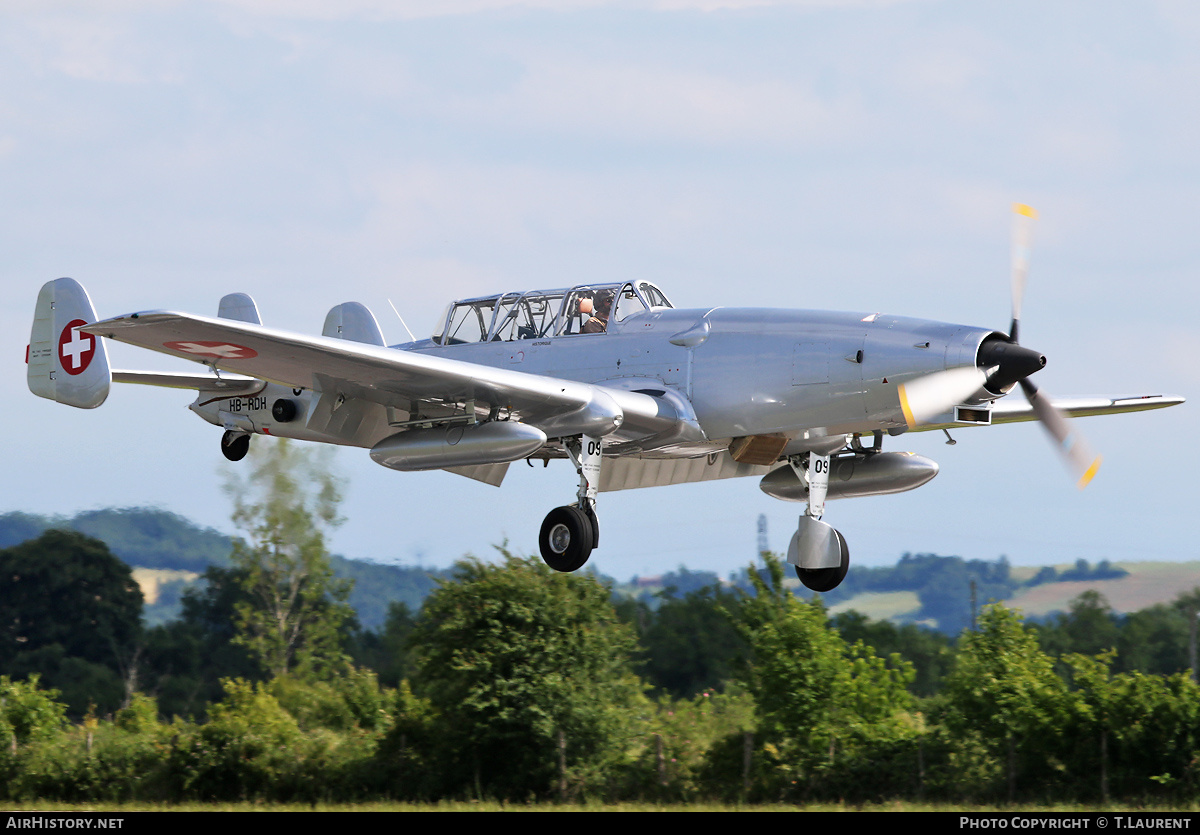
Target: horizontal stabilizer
x=230 y=383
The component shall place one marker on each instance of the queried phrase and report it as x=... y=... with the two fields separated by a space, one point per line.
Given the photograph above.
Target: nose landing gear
x=817 y=550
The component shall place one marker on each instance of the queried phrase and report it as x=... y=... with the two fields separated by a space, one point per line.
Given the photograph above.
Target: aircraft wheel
x=566 y=539
x=235 y=445
x=827 y=579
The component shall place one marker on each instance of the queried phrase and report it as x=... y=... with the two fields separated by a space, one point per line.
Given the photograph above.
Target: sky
x=754 y=153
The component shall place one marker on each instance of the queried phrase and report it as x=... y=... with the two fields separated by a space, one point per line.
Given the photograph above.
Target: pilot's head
x=604 y=300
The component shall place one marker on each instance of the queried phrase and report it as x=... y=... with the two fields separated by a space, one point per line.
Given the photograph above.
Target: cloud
x=657 y=104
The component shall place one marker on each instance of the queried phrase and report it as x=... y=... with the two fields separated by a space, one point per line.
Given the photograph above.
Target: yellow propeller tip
x=904 y=407
x=1028 y=211
x=1091 y=473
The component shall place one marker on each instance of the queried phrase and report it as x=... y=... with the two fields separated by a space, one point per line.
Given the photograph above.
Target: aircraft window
x=469 y=322
x=507 y=310
x=628 y=303
x=587 y=309
x=441 y=327
x=517 y=323
x=654 y=297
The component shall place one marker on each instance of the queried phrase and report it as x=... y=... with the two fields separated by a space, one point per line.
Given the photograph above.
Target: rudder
x=66 y=365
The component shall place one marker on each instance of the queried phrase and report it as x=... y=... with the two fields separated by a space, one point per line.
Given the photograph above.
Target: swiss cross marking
x=75 y=349
x=220 y=350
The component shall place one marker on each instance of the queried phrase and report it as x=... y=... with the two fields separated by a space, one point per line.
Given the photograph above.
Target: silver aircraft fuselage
x=748 y=371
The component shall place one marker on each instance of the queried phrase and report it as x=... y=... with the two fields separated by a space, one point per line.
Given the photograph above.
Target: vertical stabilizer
x=355 y=322
x=65 y=364
x=240 y=307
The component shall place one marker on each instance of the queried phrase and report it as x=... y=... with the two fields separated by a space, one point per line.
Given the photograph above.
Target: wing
x=340 y=368
x=1013 y=411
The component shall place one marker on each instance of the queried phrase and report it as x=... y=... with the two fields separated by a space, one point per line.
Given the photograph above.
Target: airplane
x=611 y=376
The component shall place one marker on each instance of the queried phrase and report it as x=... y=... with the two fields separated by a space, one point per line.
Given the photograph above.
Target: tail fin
x=64 y=364
x=355 y=322
x=239 y=306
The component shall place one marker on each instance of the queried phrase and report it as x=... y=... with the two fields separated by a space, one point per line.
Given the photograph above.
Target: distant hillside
x=936 y=591
x=1145 y=584
x=168 y=552
x=141 y=536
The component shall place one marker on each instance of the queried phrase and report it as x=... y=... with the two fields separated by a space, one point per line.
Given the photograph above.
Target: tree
x=296 y=609
x=928 y=651
x=1089 y=627
x=1004 y=694
x=186 y=659
x=529 y=673
x=691 y=643
x=826 y=710
x=71 y=611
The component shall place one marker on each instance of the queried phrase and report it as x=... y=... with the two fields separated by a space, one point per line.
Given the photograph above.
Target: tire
x=827 y=579
x=566 y=539
x=234 y=446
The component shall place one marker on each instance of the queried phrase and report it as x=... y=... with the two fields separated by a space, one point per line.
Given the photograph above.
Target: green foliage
x=186 y=659
x=930 y=653
x=352 y=700
x=691 y=644
x=386 y=651
x=295 y=609
x=1090 y=627
x=824 y=707
x=71 y=614
x=247 y=749
x=671 y=756
x=27 y=712
x=1004 y=694
x=518 y=661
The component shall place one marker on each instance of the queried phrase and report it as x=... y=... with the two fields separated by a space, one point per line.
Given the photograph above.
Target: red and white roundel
x=75 y=349
x=220 y=350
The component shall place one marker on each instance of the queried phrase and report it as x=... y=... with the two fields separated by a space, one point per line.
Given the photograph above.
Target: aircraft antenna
x=762 y=534
x=402 y=322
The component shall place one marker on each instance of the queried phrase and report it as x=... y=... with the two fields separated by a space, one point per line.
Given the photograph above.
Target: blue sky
x=842 y=155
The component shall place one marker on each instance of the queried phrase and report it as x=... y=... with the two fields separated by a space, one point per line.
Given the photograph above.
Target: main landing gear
x=570 y=533
x=817 y=550
x=235 y=445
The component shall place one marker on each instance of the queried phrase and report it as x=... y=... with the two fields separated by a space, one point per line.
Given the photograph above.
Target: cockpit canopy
x=541 y=314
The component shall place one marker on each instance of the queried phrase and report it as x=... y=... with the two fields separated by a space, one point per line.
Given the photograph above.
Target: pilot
x=601 y=307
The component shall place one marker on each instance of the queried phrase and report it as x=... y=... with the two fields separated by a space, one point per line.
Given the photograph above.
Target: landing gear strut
x=235 y=445
x=570 y=533
x=817 y=550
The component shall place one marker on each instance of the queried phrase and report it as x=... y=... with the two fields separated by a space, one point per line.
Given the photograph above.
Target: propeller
x=1013 y=364
x=1003 y=363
